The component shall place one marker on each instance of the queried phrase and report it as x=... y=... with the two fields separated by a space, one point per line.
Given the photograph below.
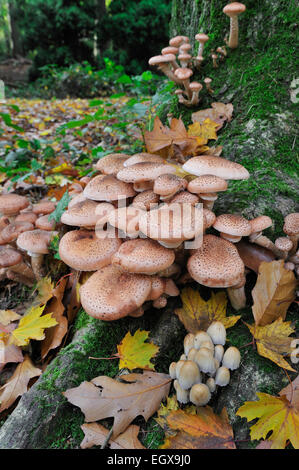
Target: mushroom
x=207 y=186
x=180 y=94
x=188 y=375
x=222 y=51
x=222 y=377
x=195 y=87
x=177 y=41
x=172 y=370
x=205 y=360
x=257 y=226
x=200 y=338
x=284 y=245
x=108 y=188
x=218 y=166
x=217 y=332
x=26 y=217
x=208 y=82
x=214 y=59
x=168 y=185
x=12 y=259
x=12 y=231
x=211 y=384
x=218 y=352
x=202 y=39
x=291 y=228
x=182 y=395
x=146 y=200
x=200 y=394
x=188 y=343
x=184 y=74
x=43 y=207
x=164 y=62
x=233 y=10
x=11 y=204
x=86 y=213
x=232 y=227
x=142 y=158
x=112 y=163
x=231 y=358
x=144 y=171
x=184 y=59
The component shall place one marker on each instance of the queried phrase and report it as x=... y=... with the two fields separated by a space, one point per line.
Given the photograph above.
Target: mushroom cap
x=200 y=338
x=146 y=200
x=9 y=256
x=112 y=163
x=126 y=219
x=231 y=358
x=200 y=394
x=260 y=223
x=218 y=166
x=222 y=376
x=184 y=197
x=172 y=223
x=158 y=287
x=75 y=199
x=169 y=50
x=143 y=157
x=195 y=86
x=177 y=41
x=86 y=213
x=184 y=56
x=282 y=243
x=143 y=256
x=216 y=263
x=11 y=204
x=168 y=184
x=110 y=293
x=108 y=188
x=207 y=184
x=234 y=9
x=233 y=224
x=12 y=231
x=44 y=223
x=183 y=73
x=35 y=241
x=209 y=218
x=201 y=37
x=217 y=332
x=207 y=80
x=189 y=374
x=43 y=207
x=26 y=217
x=291 y=224
x=144 y=171
x=185 y=47
x=84 y=251
x=161 y=59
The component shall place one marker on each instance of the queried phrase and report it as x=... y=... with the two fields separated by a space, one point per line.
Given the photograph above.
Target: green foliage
x=60 y=208
x=136 y=30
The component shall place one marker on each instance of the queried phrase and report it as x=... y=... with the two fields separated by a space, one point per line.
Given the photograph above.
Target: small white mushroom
x=211 y=384
x=200 y=337
x=178 y=366
x=172 y=370
x=191 y=354
x=188 y=343
x=182 y=395
x=200 y=394
x=219 y=351
x=222 y=376
x=231 y=358
x=188 y=375
x=217 y=332
x=205 y=361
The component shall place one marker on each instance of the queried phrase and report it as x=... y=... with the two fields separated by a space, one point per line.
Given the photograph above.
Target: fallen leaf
x=135 y=352
x=203 y=430
x=31 y=326
x=273 y=292
x=275 y=414
x=203 y=131
x=223 y=110
x=96 y=435
x=273 y=341
x=103 y=397
x=18 y=383
x=197 y=314
x=8 y=316
x=45 y=291
x=164 y=410
x=158 y=138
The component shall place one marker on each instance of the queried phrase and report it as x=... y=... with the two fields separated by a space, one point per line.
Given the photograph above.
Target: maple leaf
x=197 y=314
x=18 y=383
x=273 y=292
x=96 y=435
x=276 y=414
x=32 y=326
x=45 y=291
x=203 y=132
x=103 y=397
x=203 y=430
x=135 y=353
x=273 y=340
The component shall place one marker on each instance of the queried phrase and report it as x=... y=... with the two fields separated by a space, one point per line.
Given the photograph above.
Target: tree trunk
x=17 y=49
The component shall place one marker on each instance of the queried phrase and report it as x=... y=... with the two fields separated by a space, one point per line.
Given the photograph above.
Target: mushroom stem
x=169 y=73
x=233 y=32
x=187 y=88
x=237 y=297
x=263 y=241
x=36 y=263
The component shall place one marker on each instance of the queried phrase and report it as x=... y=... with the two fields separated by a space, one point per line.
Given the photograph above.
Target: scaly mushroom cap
x=216 y=263
x=11 y=204
x=207 y=184
x=291 y=224
x=35 y=241
x=143 y=157
x=177 y=41
x=201 y=37
x=112 y=163
x=146 y=200
x=12 y=231
x=234 y=9
x=144 y=171
x=84 y=251
x=9 y=257
x=260 y=223
x=168 y=184
x=183 y=73
x=233 y=224
x=282 y=243
x=43 y=207
x=26 y=217
x=143 y=256
x=184 y=197
x=44 y=223
x=110 y=293
x=85 y=213
x=209 y=218
x=108 y=188
x=75 y=199
x=217 y=166
x=126 y=219
x=172 y=223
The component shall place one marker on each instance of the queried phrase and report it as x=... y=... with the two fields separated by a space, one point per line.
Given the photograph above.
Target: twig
x=107 y=438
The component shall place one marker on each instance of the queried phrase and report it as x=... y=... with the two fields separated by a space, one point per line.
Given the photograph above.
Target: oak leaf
x=203 y=430
x=276 y=414
x=103 y=397
x=273 y=341
x=96 y=435
x=197 y=314
x=135 y=353
x=18 y=383
x=273 y=292
x=32 y=326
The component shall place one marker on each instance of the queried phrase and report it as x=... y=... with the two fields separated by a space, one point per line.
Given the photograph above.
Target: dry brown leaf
x=8 y=316
x=54 y=336
x=224 y=110
x=96 y=435
x=18 y=383
x=158 y=138
x=291 y=392
x=203 y=430
x=219 y=113
x=103 y=397
x=273 y=292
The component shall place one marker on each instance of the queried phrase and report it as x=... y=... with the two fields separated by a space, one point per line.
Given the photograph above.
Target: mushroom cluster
x=204 y=366
x=178 y=64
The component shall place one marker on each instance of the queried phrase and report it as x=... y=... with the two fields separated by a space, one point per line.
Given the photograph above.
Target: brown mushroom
x=233 y=10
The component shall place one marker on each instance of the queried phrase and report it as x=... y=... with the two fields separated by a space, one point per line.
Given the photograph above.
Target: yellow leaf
x=197 y=314
x=32 y=326
x=273 y=341
x=275 y=414
x=45 y=291
x=8 y=316
x=203 y=131
x=135 y=353
x=273 y=292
